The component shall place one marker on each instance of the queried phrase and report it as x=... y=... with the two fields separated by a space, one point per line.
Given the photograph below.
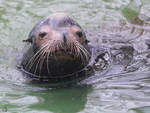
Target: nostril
x=64 y=38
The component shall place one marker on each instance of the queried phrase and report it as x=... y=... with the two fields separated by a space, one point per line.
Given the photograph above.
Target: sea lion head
x=60 y=46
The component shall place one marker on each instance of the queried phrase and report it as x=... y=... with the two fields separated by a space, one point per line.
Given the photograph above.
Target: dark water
x=120 y=27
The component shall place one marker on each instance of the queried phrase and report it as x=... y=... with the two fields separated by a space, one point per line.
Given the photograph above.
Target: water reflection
x=142 y=109
x=64 y=100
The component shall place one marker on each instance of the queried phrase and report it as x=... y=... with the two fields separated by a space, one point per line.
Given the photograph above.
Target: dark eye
x=42 y=35
x=79 y=33
x=87 y=41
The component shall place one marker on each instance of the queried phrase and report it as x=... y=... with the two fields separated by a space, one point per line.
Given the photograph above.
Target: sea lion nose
x=64 y=38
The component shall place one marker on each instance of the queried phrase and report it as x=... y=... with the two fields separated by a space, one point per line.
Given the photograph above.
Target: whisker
x=49 y=53
x=34 y=58
x=46 y=56
x=41 y=63
x=84 y=51
x=41 y=56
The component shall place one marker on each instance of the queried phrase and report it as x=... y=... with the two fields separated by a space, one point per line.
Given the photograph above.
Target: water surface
x=124 y=87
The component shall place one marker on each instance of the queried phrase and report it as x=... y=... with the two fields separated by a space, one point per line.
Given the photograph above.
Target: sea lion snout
x=63 y=38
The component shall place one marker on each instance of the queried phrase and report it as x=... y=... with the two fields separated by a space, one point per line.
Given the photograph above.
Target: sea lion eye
x=79 y=33
x=42 y=35
x=87 y=41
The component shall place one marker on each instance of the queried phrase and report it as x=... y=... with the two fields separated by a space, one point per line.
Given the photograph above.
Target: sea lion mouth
x=63 y=54
x=64 y=51
x=71 y=50
x=59 y=51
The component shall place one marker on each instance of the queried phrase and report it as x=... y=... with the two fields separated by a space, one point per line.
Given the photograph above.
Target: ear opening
x=28 y=40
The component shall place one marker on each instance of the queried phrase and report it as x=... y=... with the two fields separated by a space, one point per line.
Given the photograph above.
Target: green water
x=118 y=93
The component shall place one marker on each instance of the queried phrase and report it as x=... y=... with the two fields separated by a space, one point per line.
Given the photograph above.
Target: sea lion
x=58 y=47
